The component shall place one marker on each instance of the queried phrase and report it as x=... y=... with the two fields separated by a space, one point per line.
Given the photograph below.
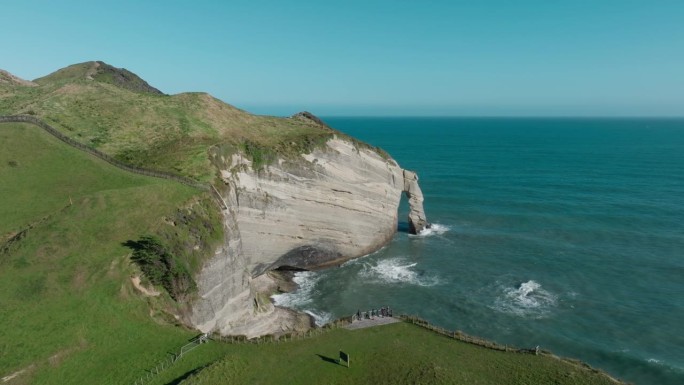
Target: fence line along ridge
x=114 y=162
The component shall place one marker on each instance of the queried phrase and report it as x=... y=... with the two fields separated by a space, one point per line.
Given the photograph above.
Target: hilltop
x=117 y=112
x=101 y=72
x=7 y=79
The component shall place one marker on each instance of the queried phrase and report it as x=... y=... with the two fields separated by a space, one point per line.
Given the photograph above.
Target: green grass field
x=69 y=314
x=392 y=354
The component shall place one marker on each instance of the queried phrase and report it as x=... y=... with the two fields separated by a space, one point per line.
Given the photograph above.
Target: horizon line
x=510 y=116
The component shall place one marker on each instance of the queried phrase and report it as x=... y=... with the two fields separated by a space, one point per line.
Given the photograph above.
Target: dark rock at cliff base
x=306 y=258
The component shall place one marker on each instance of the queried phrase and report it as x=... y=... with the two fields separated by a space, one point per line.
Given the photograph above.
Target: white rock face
x=417 y=220
x=331 y=206
x=323 y=209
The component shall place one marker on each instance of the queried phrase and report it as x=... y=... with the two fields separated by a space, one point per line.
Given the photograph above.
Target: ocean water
x=562 y=233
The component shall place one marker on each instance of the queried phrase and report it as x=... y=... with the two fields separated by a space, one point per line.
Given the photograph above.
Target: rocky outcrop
x=120 y=77
x=336 y=203
x=308 y=116
x=417 y=220
x=9 y=79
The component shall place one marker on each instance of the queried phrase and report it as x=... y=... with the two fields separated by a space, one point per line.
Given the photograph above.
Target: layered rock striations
x=334 y=204
x=417 y=219
x=228 y=301
x=330 y=206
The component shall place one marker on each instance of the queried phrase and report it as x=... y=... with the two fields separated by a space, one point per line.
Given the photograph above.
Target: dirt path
x=148 y=292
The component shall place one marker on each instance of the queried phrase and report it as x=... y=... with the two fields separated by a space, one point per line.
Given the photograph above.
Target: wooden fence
x=458 y=335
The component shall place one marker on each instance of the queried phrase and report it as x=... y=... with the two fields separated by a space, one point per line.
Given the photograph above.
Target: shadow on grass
x=328 y=359
x=133 y=245
x=185 y=376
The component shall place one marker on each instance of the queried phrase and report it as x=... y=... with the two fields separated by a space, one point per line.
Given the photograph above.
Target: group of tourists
x=371 y=314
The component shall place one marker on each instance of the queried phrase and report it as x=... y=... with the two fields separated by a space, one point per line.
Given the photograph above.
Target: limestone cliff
x=334 y=204
x=417 y=220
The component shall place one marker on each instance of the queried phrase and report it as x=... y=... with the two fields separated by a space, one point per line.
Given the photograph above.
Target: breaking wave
x=302 y=297
x=435 y=229
x=320 y=317
x=527 y=300
x=306 y=284
x=396 y=270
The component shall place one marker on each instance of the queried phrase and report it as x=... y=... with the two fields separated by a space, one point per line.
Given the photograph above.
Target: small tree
x=161 y=267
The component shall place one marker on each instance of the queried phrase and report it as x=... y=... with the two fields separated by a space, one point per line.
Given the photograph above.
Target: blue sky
x=490 y=58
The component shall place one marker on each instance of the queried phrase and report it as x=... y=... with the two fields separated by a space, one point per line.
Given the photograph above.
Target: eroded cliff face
x=326 y=208
x=228 y=294
x=417 y=219
x=337 y=203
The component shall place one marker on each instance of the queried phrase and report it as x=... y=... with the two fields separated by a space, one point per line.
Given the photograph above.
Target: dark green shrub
x=162 y=268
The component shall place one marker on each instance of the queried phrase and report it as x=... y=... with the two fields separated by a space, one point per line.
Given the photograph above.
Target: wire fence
x=171 y=359
x=113 y=161
x=459 y=335
x=296 y=336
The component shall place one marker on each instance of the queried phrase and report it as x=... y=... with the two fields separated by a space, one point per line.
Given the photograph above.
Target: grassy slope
x=69 y=312
x=170 y=133
x=393 y=354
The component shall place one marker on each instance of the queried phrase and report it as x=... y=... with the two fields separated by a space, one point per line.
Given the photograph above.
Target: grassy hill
x=120 y=114
x=69 y=311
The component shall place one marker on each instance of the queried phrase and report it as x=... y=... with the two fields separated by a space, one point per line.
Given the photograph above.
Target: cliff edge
x=294 y=193
x=337 y=203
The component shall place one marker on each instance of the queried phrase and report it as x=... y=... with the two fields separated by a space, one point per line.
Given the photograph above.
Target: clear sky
x=508 y=57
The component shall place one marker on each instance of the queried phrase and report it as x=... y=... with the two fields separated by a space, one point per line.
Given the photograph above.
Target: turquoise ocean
x=566 y=234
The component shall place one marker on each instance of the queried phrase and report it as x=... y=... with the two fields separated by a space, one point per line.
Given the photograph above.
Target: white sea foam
x=435 y=229
x=320 y=317
x=306 y=282
x=669 y=366
x=527 y=300
x=396 y=270
x=301 y=298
